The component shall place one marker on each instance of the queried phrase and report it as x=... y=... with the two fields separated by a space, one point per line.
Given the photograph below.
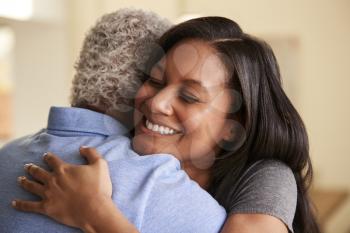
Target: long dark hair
x=273 y=127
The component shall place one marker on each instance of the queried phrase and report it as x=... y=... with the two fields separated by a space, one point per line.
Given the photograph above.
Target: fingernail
x=45 y=155
x=27 y=166
x=13 y=203
x=84 y=147
x=20 y=179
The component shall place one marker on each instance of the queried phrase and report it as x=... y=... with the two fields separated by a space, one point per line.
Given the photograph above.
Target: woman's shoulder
x=269 y=168
x=266 y=187
x=268 y=175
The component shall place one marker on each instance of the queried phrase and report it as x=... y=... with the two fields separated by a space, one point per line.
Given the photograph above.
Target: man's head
x=109 y=69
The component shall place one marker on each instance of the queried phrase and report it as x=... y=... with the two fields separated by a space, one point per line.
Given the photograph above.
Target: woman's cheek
x=193 y=121
x=190 y=125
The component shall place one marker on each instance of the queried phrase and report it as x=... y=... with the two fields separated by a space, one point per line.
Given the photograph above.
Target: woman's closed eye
x=188 y=98
x=184 y=95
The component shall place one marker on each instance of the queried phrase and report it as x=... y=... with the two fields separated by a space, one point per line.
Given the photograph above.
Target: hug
x=171 y=128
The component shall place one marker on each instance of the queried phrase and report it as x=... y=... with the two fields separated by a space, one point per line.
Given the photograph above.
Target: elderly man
x=107 y=77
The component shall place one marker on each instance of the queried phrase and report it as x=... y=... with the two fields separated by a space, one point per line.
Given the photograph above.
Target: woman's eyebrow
x=196 y=83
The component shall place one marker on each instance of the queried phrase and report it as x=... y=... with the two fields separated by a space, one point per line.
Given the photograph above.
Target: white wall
x=41 y=74
x=41 y=66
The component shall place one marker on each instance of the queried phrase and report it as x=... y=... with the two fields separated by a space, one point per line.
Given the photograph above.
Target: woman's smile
x=155 y=128
x=174 y=108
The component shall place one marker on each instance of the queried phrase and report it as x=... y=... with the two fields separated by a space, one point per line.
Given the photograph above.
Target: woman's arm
x=264 y=199
x=80 y=196
x=253 y=223
x=75 y=195
x=108 y=219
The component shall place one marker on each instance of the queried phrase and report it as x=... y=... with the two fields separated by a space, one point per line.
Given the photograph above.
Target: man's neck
x=95 y=109
x=123 y=118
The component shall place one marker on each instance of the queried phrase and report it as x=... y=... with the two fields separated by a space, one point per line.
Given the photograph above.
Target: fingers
x=90 y=154
x=28 y=206
x=37 y=172
x=31 y=186
x=53 y=160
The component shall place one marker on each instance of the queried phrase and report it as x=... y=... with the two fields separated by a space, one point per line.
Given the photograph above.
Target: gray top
x=266 y=187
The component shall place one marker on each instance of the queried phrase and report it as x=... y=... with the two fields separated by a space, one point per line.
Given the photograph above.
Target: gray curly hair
x=109 y=69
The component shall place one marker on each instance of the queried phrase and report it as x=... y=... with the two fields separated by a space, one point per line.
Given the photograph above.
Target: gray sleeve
x=266 y=187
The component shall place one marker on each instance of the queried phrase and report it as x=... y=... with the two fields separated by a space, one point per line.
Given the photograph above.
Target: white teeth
x=159 y=128
x=167 y=130
x=155 y=127
x=149 y=125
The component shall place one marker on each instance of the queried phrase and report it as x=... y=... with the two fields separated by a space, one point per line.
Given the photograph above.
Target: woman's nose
x=162 y=102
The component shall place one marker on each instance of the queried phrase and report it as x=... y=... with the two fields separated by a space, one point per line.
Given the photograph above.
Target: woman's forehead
x=196 y=60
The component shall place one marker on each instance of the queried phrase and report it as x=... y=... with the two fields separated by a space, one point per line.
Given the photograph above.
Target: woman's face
x=182 y=108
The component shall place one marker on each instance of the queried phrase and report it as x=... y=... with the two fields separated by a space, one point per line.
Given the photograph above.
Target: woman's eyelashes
x=184 y=95
x=188 y=98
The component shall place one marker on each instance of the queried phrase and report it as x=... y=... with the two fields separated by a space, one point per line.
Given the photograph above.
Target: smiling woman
x=213 y=99
x=185 y=93
x=269 y=169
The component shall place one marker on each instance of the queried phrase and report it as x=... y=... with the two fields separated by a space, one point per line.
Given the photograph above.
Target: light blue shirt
x=151 y=191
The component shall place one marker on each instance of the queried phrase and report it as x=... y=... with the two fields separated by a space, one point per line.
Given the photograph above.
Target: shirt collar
x=83 y=120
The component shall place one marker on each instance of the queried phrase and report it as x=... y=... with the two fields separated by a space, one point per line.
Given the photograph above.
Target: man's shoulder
x=19 y=142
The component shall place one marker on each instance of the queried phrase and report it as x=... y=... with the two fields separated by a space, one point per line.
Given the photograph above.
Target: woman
x=218 y=90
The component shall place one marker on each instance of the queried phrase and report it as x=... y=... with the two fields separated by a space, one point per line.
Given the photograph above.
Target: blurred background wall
x=311 y=39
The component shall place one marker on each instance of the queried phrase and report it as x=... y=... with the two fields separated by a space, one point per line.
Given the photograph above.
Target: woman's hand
x=69 y=193
x=75 y=195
